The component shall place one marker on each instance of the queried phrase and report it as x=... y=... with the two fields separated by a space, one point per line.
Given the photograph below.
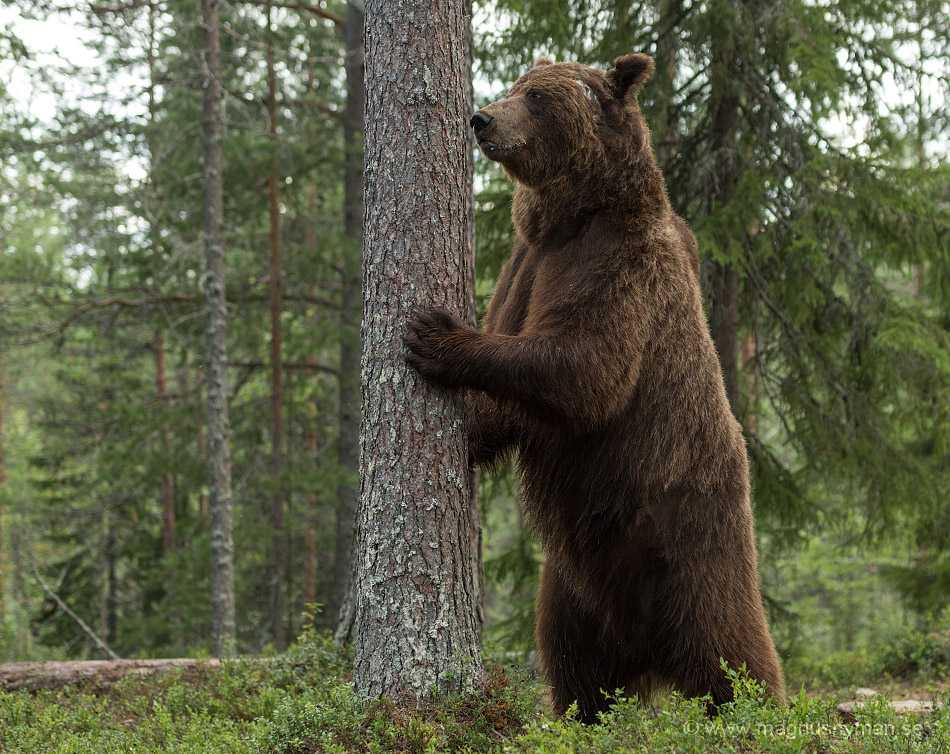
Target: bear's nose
x=481 y=121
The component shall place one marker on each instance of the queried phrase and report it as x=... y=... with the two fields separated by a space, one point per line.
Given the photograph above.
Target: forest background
x=805 y=143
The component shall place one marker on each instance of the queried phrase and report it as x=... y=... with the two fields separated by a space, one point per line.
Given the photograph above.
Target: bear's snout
x=481 y=122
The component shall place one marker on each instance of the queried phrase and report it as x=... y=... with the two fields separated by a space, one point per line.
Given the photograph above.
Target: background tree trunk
x=471 y=316
x=276 y=368
x=167 y=484
x=104 y=570
x=724 y=276
x=3 y=485
x=724 y=326
x=415 y=631
x=349 y=439
x=666 y=67
x=219 y=452
x=201 y=446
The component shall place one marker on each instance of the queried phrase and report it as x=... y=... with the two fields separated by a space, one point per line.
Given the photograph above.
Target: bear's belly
x=605 y=548
x=628 y=589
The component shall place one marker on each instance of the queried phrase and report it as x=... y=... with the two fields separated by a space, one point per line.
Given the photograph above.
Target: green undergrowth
x=916 y=659
x=302 y=702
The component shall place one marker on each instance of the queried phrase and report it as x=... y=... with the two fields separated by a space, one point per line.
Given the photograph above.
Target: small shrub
x=913 y=654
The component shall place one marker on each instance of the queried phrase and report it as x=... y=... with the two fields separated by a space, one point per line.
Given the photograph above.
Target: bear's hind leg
x=700 y=672
x=579 y=658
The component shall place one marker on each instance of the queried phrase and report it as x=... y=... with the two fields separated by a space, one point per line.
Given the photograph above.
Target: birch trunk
x=415 y=629
x=219 y=452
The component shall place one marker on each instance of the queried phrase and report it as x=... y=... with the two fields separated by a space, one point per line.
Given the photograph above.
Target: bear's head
x=567 y=120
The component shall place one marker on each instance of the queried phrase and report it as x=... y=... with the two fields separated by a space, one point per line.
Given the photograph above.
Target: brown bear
x=595 y=363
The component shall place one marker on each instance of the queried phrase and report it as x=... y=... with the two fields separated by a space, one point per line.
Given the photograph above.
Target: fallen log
x=903 y=707
x=42 y=676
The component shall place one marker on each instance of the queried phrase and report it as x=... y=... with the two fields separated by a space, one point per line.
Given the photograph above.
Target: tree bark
x=167 y=484
x=103 y=626
x=308 y=584
x=184 y=375
x=666 y=66
x=749 y=362
x=3 y=483
x=348 y=446
x=724 y=326
x=201 y=446
x=219 y=452
x=415 y=627
x=112 y=597
x=724 y=276
x=276 y=369
x=16 y=559
x=471 y=316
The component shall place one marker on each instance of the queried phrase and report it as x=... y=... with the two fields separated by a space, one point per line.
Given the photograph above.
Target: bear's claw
x=426 y=342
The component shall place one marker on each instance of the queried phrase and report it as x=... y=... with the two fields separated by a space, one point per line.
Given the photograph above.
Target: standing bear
x=596 y=365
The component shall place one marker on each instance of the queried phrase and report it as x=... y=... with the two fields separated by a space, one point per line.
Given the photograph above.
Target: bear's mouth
x=498 y=152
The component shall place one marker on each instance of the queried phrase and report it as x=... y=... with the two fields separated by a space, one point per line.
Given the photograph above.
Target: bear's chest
x=534 y=279
x=510 y=303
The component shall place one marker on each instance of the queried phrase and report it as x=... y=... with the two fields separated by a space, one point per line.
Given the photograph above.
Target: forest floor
x=302 y=702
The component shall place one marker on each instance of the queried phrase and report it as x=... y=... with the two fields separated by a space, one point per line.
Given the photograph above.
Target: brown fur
x=596 y=364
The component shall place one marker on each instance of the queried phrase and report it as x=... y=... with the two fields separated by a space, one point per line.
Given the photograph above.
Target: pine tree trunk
x=348 y=446
x=219 y=452
x=3 y=484
x=666 y=66
x=415 y=631
x=471 y=316
x=308 y=585
x=103 y=627
x=724 y=326
x=276 y=374
x=112 y=597
x=201 y=446
x=183 y=378
x=749 y=364
x=724 y=277
x=16 y=561
x=167 y=484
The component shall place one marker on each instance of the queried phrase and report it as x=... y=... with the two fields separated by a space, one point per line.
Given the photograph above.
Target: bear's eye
x=535 y=94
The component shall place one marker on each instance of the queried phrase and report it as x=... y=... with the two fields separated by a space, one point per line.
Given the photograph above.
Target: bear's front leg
x=436 y=345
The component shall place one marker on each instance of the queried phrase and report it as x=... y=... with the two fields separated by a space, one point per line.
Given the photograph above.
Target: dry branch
x=287 y=366
x=65 y=608
x=100 y=9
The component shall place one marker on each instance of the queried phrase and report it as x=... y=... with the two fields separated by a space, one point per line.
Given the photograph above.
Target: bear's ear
x=543 y=61
x=629 y=73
